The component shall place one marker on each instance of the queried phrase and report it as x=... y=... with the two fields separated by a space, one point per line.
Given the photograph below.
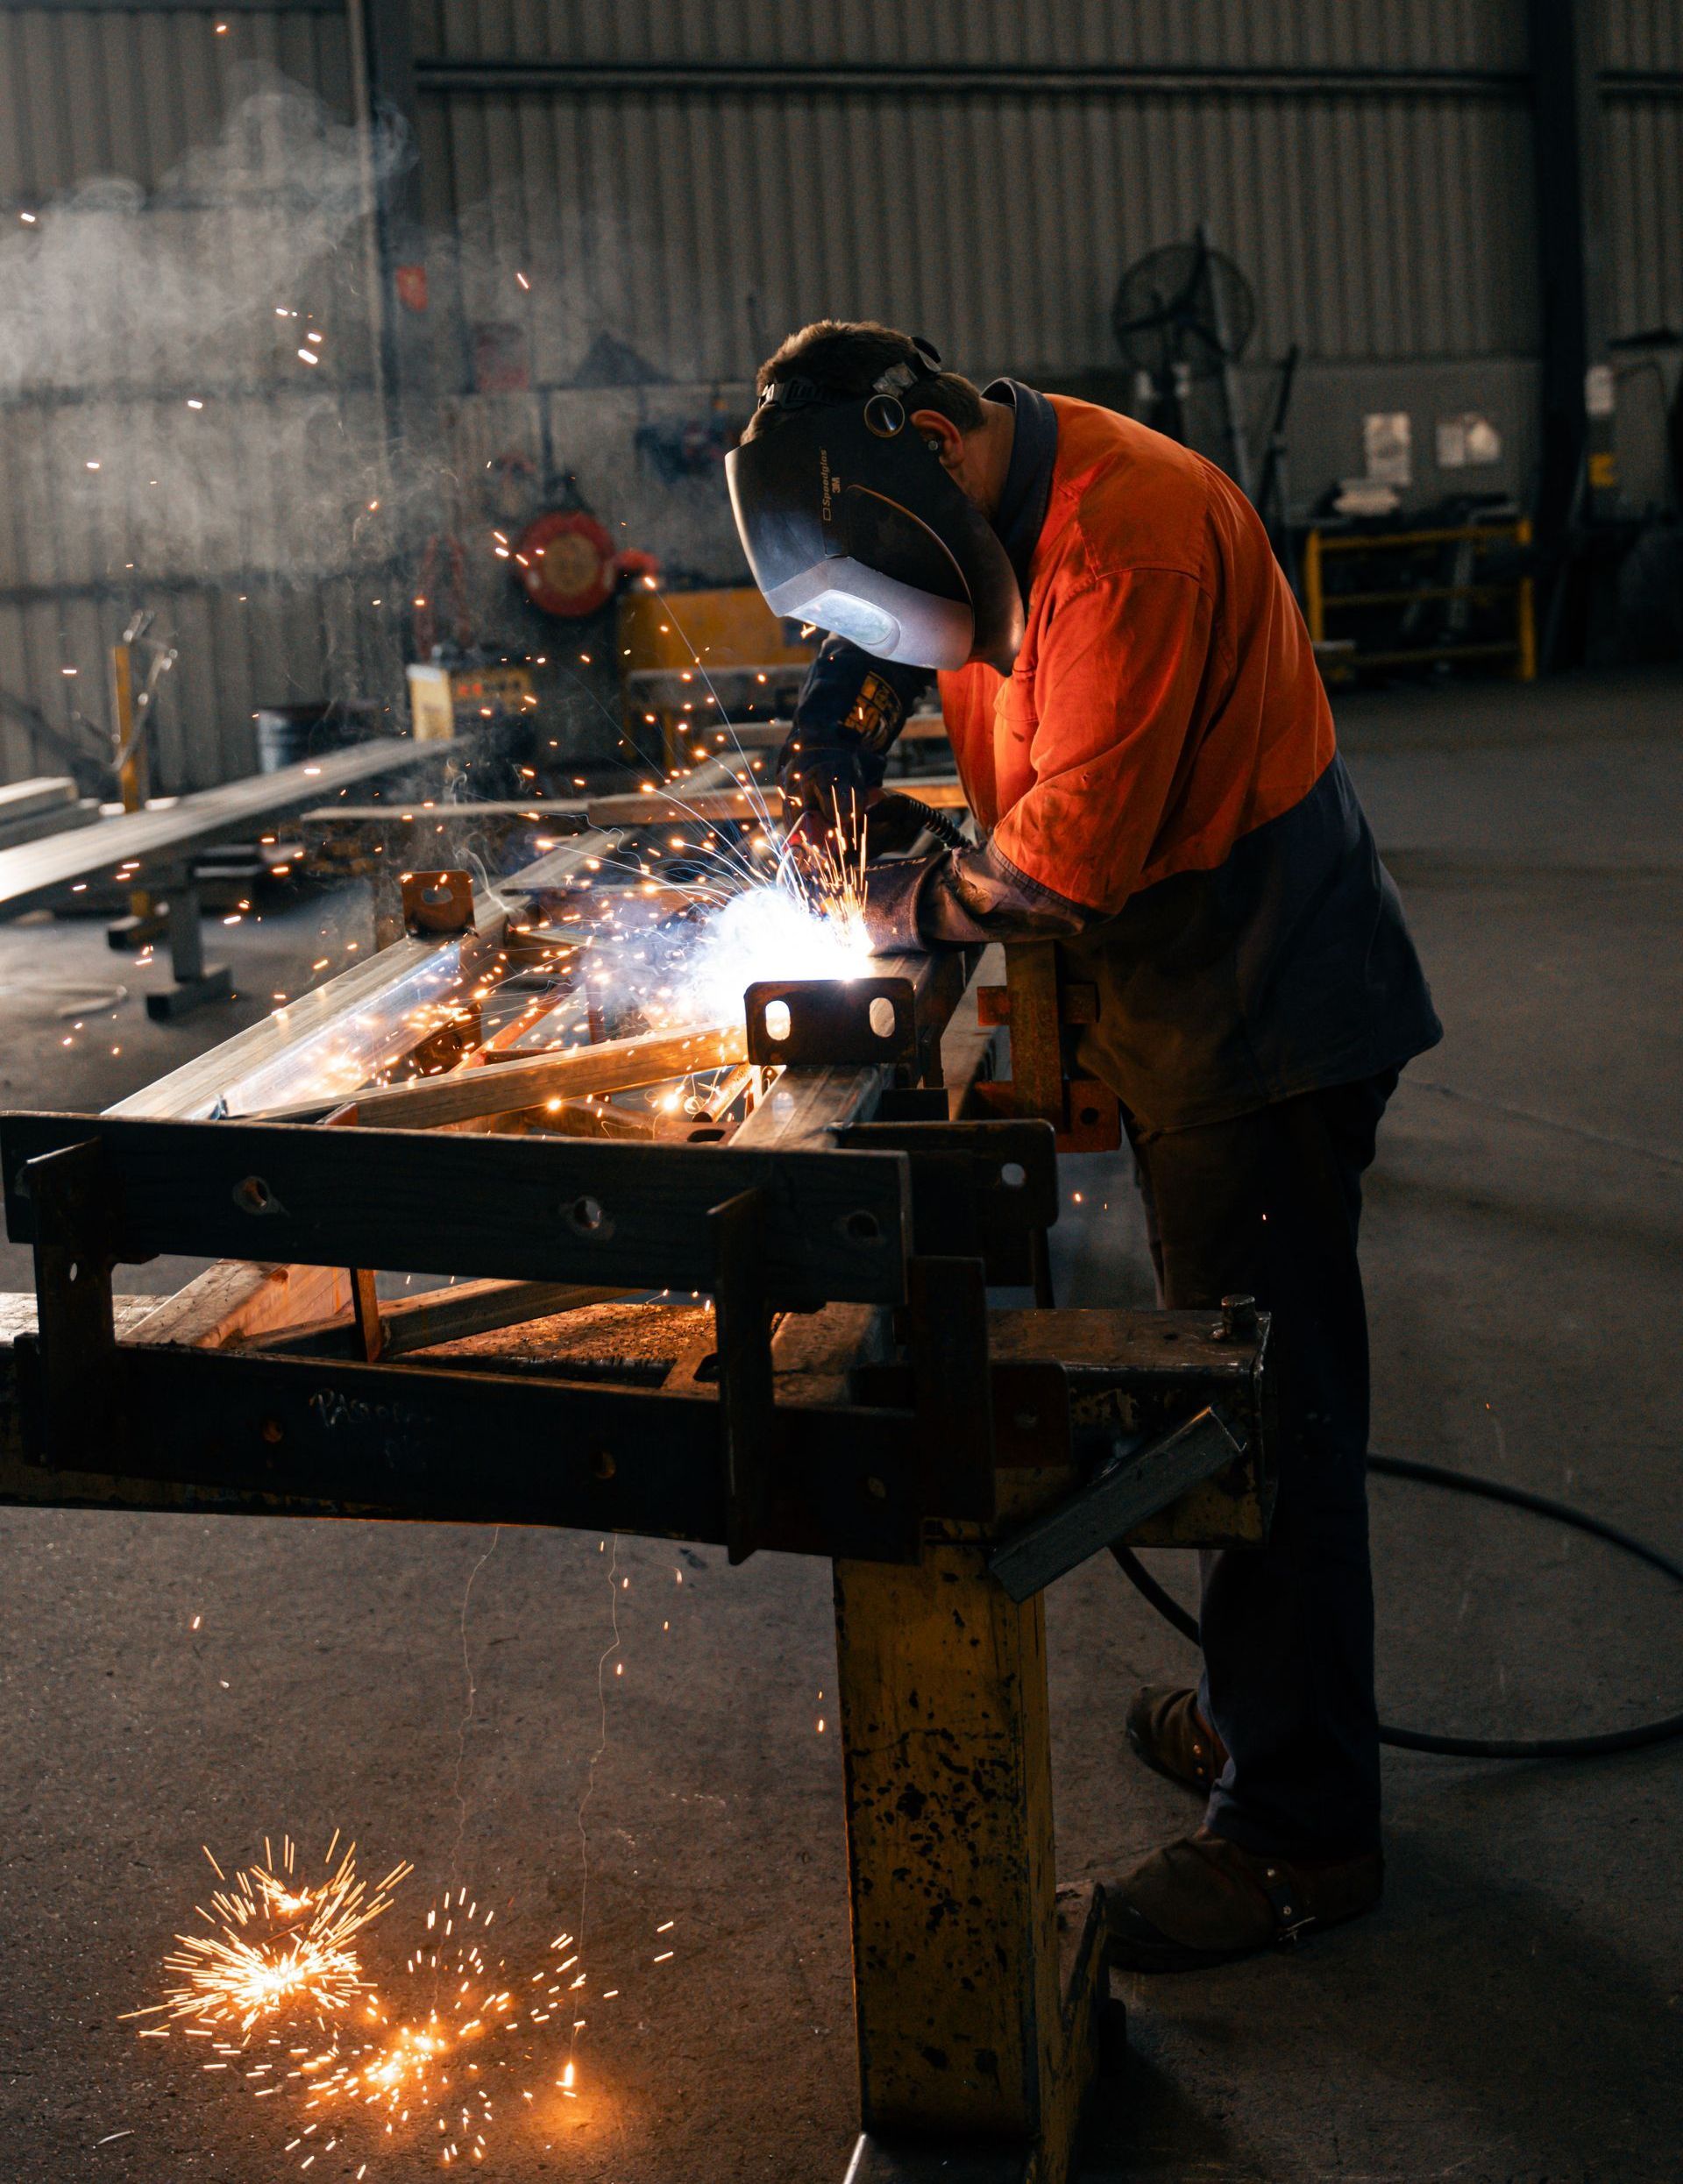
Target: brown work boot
x=1204 y=1901
x=1167 y=1730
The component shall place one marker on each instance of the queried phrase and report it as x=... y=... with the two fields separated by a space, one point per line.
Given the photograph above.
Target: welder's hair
x=844 y=358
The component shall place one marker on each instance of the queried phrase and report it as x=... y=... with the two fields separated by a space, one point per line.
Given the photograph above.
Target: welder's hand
x=959 y=898
x=892 y=891
x=824 y=780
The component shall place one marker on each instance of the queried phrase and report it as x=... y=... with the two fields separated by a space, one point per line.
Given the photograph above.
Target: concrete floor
x=1513 y=2015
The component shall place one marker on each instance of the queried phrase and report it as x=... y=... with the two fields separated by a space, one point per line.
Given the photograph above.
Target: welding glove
x=850 y=710
x=961 y=898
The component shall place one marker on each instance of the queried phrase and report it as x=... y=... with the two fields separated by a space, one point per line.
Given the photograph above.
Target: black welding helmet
x=849 y=520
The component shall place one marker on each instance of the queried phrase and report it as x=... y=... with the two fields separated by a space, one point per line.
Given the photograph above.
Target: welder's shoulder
x=1126 y=499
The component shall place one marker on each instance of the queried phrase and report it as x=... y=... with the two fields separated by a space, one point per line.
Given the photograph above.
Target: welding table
x=852 y=1395
x=157 y=844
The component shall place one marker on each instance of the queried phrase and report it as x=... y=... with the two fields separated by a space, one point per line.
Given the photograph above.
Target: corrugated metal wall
x=162 y=444
x=687 y=182
x=1643 y=51
x=998 y=211
x=1244 y=33
x=678 y=182
x=996 y=221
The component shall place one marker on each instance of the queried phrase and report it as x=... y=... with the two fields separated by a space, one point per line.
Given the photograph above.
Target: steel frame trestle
x=862 y=1186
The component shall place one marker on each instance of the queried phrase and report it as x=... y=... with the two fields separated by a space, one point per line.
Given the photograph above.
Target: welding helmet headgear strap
x=849 y=520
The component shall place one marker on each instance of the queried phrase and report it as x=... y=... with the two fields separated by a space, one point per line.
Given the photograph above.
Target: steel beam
x=1566 y=129
x=617 y=1065
x=735 y=79
x=37 y=872
x=274 y=1436
x=835 y=1227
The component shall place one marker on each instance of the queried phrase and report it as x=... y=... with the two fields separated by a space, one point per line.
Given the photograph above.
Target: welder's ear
x=941 y=436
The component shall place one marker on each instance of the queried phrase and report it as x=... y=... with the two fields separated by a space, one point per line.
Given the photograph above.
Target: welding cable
x=937 y=823
x=1630 y=1740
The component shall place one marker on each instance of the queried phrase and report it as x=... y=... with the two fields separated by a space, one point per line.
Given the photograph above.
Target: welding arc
x=1630 y=1740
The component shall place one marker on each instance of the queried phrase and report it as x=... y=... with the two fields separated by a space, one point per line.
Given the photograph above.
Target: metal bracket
x=1134 y=1485
x=981 y=1189
x=1038 y=1005
x=832 y=1022
x=437 y=902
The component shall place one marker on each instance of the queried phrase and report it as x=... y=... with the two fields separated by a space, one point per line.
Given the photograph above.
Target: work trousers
x=1269 y=1205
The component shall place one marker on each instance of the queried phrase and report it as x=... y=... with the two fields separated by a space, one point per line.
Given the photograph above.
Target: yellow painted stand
x=144 y=922
x=978 y=2020
x=1520 y=648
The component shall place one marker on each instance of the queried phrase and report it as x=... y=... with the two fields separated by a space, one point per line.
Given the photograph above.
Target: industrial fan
x=1182 y=313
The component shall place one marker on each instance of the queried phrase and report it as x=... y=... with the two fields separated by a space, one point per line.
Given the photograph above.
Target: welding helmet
x=849 y=520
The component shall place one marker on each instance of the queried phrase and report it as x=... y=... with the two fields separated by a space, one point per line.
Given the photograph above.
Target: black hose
x=937 y=823
x=1467 y=1747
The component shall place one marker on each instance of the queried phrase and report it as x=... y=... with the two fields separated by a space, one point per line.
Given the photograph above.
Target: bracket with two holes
x=829 y=1022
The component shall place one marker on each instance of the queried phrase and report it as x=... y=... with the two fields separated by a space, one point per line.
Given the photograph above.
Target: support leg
x=387 y=888
x=977 y=2019
x=196 y=982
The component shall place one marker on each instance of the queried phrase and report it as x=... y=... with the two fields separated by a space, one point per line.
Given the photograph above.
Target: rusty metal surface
x=437 y=902
x=636 y=1341
x=942 y=1685
x=1132 y=1373
x=549 y=1209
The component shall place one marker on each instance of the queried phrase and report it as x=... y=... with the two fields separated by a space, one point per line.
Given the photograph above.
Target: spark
x=417 y=2057
x=275 y=1944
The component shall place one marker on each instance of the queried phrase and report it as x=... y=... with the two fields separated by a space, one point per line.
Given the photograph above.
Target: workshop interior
x=839 y=952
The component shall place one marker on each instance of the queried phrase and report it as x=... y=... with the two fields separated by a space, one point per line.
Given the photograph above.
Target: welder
x=1147 y=749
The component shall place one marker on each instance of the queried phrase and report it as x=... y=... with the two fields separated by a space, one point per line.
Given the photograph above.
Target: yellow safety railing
x=1521 y=647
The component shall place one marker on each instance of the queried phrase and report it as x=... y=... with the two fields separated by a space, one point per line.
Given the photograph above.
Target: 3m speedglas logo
x=827 y=483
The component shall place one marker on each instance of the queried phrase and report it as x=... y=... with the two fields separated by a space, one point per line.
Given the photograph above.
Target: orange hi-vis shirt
x=1166 y=701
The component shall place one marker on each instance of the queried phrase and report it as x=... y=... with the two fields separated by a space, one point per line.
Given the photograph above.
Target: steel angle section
x=1134 y=1485
x=264 y=1435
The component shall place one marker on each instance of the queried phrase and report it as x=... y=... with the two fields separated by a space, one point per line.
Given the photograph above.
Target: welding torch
x=889 y=821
